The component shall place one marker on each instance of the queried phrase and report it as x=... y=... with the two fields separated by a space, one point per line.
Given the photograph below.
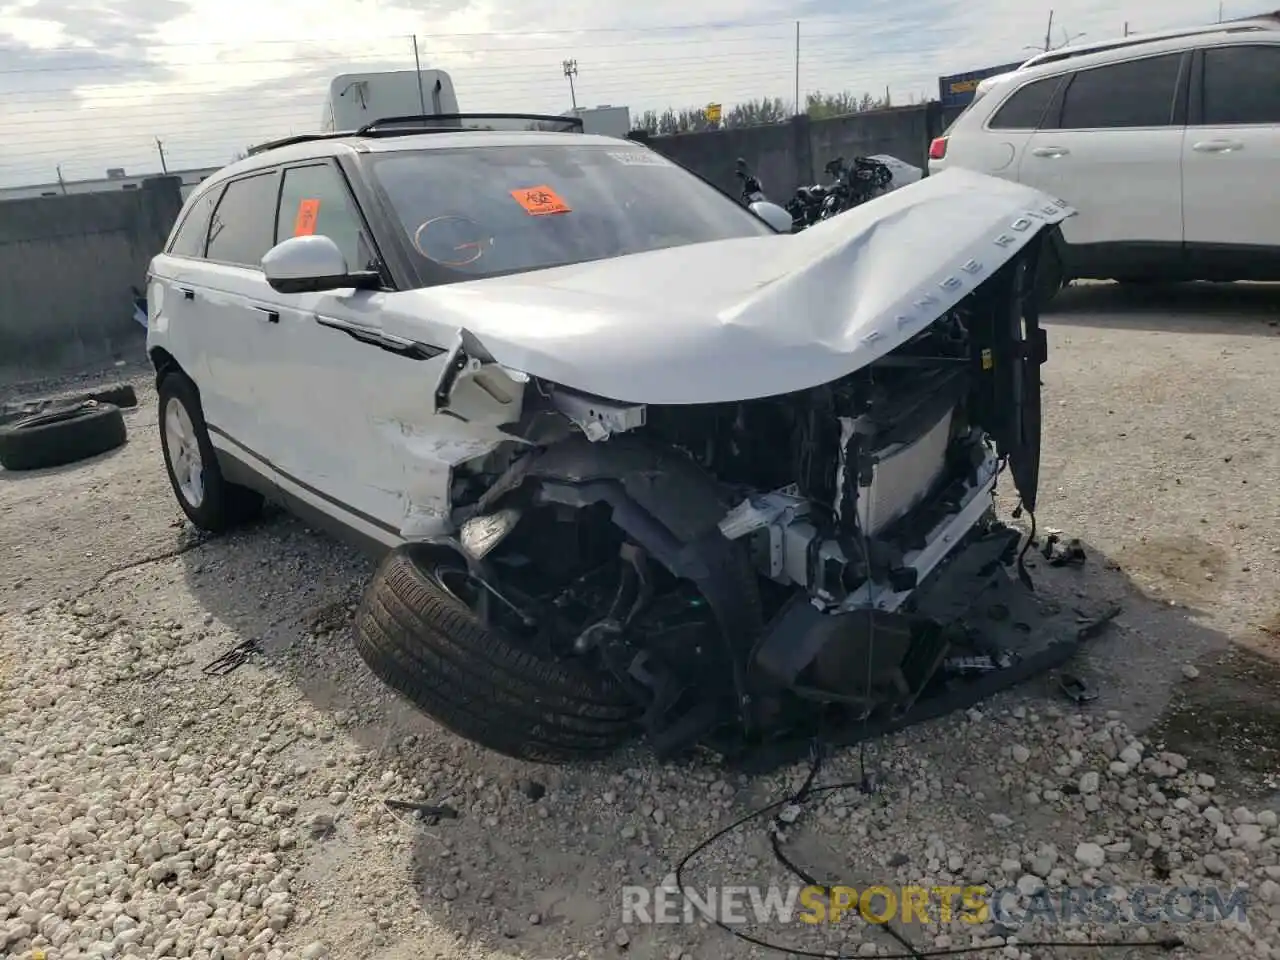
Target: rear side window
x=314 y=200
x=1026 y=108
x=1138 y=93
x=1241 y=85
x=194 y=232
x=243 y=227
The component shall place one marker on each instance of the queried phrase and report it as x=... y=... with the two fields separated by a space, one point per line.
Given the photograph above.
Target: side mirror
x=312 y=264
x=772 y=214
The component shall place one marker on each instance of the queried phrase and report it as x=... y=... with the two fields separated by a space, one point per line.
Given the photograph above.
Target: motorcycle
x=752 y=190
x=851 y=185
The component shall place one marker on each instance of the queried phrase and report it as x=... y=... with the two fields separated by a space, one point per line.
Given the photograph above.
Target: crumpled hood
x=740 y=319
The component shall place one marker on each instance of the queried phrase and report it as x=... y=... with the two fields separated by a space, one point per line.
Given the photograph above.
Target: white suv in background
x=1169 y=148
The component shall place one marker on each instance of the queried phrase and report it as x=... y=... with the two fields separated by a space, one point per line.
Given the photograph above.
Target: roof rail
x=408 y=126
x=300 y=138
x=1265 y=21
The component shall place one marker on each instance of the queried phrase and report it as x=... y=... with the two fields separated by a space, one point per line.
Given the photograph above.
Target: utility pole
x=1219 y=11
x=164 y=167
x=1048 y=32
x=571 y=71
x=62 y=183
x=797 y=110
x=1126 y=28
x=417 y=69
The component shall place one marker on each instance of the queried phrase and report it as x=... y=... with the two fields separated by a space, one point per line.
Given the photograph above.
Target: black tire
x=487 y=687
x=221 y=505
x=61 y=435
x=121 y=395
x=1050 y=276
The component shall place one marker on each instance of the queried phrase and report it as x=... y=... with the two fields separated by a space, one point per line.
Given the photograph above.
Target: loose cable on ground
x=807 y=791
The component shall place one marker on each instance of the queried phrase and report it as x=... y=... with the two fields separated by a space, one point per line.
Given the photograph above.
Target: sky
x=91 y=84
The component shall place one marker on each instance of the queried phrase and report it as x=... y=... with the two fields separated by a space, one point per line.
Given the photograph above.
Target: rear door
x=999 y=147
x=176 y=320
x=1231 y=162
x=239 y=326
x=1111 y=146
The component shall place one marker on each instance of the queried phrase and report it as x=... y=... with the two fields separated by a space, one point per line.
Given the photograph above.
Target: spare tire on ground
x=61 y=435
x=119 y=395
x=495 y=689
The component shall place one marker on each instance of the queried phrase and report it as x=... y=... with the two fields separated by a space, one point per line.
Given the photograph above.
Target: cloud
x=91 y=84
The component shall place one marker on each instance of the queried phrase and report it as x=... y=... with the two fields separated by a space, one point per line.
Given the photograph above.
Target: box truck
x=356 y=99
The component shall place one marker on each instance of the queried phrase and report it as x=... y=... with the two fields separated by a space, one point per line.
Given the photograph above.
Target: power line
x=335 y=58
x=513 y=78
x=60 y=122
x=719 y=25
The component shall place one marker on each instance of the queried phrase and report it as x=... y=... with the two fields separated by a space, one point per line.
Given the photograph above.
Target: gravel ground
x=150 y=808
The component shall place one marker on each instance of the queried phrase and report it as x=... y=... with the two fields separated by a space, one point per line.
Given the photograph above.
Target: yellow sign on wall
x=713 y=112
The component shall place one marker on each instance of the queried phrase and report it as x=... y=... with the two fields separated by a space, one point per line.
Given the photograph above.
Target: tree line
x=755 y=113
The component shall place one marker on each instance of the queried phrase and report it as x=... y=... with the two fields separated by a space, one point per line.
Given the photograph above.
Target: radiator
x=902 y=476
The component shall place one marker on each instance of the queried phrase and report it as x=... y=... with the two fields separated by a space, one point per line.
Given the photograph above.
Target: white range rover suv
x=635 y=459
x=1168 y=147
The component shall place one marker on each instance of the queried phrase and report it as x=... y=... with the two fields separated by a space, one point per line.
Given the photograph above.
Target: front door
x=346 y=401
x=1231 y=159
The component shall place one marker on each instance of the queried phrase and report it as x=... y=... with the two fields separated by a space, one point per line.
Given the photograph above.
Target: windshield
x=482 y=211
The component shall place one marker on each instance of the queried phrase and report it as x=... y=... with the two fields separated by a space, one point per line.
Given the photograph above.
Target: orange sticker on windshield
x=540 y=201
x=304 y=225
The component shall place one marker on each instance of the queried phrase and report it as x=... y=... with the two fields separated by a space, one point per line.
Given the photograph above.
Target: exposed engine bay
x=743 y=569
x=829 y=480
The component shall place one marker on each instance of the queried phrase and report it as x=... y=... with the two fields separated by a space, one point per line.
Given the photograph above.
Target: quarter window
x=242 y=228
x=1026 y=108
x=1241 y=85
x=194 y=232
x=1137 y=93
x=314 y=200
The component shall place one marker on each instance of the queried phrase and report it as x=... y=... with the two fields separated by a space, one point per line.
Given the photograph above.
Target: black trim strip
x=372 y=521
x=412 y=349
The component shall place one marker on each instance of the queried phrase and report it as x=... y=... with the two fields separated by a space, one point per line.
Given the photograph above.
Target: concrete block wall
x=787 y=155
x=66 y=267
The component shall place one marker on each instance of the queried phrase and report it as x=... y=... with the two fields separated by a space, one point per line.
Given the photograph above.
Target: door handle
x=273 y=316
x=188 y=294
x=1217 y=146
x=1051 y=153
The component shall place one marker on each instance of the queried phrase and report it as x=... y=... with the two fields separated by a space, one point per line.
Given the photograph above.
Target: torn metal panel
x=475 y=389
x=428 y=477
x=598 y=418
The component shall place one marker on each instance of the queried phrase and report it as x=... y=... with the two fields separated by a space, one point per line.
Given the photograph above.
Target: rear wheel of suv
x=204 y=495
x=418 y=633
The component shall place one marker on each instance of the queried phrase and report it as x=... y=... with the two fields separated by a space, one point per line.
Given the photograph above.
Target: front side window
x=1026 y=108
x=314 y=200
x=194 y=232
x=490 y=210
x=1137 y=93
x=243 y=226
x=1242 y=85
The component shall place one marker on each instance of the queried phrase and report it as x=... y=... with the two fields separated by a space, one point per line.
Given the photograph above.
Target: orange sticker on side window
x=540 y=201
x=304 y=225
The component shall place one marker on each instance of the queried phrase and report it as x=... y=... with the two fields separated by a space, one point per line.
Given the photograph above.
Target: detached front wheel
x=419 y=632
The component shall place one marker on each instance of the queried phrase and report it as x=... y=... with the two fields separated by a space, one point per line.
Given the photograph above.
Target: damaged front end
x=752 y=570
